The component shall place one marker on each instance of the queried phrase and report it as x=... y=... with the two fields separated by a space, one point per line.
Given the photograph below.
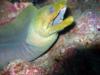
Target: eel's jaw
x=56 y=23
x=58 y=27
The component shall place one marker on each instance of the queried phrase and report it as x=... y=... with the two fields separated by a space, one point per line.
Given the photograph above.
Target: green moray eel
x=32 y=32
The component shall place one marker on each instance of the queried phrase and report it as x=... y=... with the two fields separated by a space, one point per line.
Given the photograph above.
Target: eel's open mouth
x=59 y=18
x=58 y=21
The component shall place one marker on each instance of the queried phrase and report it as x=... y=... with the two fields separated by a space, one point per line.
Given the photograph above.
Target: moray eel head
x=47 y=23
x=50 y=19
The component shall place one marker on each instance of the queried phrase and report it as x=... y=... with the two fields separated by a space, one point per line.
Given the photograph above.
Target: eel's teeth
x=60 y=16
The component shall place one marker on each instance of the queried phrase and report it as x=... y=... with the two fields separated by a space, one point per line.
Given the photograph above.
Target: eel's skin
x=31 y=32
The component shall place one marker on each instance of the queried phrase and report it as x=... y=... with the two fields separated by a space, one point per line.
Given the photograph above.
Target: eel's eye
x=51 y=9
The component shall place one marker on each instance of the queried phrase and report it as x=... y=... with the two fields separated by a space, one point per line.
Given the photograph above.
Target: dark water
x=84 y=62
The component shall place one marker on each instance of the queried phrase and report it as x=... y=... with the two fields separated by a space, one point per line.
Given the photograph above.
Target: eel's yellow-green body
x=32 y=32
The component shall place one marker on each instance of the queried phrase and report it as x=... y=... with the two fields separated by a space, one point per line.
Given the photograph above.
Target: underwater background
x=78 y=60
